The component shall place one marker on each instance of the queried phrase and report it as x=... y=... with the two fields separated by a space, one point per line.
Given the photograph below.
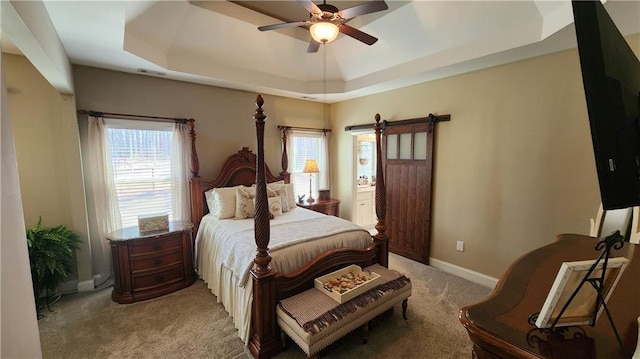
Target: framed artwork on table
x=624 y=220
x=582 y=308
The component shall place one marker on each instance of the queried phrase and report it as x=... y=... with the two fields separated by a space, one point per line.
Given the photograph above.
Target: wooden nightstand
x=330 y=207
x=146 y=266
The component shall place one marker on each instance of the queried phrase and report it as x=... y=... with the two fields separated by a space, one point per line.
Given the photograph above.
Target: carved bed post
x=381 y=203
x=261 y=218
x=285 y=158
x=194 y=163
x=195 y=182
x=265 y=339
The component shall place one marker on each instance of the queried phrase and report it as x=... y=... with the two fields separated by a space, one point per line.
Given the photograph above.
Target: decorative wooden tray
x=346 y=283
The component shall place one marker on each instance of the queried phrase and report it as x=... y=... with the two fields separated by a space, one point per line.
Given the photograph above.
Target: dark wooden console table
x=498 y=325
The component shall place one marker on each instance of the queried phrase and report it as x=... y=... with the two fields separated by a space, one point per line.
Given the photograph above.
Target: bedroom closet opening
x=364 y=169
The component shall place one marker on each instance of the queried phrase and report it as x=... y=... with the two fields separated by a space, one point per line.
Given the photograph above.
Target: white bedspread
x=225 y=250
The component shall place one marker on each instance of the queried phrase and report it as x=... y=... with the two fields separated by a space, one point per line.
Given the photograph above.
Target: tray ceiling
x=217 y=42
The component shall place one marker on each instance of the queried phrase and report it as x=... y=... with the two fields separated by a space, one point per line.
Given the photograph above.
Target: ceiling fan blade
x=310 y=6
x=280 y=26
x=313 y=46
x=357 y=34
x=362 y=9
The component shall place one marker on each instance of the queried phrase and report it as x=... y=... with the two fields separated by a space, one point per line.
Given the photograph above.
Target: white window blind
x=307 y=146
x=141 y=159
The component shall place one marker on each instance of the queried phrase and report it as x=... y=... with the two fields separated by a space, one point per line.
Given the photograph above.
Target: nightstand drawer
x=331 y=211
x=141 y=283
x=138 y=265
x=155 y=245
x=148 y=266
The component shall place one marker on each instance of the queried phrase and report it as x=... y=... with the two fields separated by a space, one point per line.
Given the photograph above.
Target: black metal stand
x=615 y=241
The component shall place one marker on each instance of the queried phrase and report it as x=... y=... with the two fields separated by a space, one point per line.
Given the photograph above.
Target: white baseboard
x=68 y=286
x=86 y=285
x=465 y=273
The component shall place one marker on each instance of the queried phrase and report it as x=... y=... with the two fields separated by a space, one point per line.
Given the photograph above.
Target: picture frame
x=153 y=223
x=634 y=236
x=324 y=194
x=625 y=220
x=582 y=308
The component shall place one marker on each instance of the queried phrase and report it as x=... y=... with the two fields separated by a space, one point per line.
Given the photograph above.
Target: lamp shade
x=311 y=166
x=324 y=32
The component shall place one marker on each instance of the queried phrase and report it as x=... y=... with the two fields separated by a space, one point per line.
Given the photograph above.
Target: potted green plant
x=51 y=257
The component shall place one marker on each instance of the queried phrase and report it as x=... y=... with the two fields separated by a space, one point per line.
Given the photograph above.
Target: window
x=132 y=168
x=140 y=157
x=307 y=145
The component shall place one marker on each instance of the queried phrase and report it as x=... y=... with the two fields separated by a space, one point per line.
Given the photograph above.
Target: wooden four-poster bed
x=271 y=277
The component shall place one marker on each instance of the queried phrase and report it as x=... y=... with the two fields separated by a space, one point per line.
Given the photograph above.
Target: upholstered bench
x=314 y=320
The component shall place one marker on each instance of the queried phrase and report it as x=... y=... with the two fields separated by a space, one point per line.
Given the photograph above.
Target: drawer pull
x=157 y=262
x=159 y=278
x=157 y=247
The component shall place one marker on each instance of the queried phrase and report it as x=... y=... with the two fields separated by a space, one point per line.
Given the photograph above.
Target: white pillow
x=224 y=202
x=211 y=203
x=275 y=206
x=245 y=208
x=291 y=195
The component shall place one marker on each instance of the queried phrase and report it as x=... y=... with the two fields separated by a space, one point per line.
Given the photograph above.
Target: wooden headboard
x=237 y=169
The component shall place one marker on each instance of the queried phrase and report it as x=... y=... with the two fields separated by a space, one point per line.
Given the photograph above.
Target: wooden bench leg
x=404 y=309
x=365 y=333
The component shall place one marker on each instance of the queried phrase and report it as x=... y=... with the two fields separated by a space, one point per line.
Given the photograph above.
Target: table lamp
x=310 y=167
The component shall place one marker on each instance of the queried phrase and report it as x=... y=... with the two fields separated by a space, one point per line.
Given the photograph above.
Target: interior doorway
x=364 y=190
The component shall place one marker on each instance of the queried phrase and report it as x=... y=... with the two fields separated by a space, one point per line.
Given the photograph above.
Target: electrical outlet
x=460 y=246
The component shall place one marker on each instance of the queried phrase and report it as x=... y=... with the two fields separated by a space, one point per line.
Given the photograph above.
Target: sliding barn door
x=408 y=170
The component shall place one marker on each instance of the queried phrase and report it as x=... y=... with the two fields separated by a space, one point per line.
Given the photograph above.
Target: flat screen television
x=611 y=78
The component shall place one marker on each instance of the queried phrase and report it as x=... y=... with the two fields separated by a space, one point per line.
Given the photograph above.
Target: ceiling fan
x=326 y=21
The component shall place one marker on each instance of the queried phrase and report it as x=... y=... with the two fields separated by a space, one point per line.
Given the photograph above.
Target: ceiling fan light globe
x=324 y=32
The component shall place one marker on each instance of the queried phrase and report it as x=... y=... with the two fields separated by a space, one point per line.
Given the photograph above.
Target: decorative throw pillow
x=275 y=206
x=270 y=191
x=282 y=192
x=224 y=202
x=245 y=207
x=288 y=200
x=285 y=201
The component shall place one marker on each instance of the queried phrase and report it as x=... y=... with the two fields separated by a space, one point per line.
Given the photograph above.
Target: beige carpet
x=190 y=324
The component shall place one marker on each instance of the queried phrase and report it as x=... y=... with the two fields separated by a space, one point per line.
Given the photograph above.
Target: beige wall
x=224 y=117
x=513 y=168
x=48 y=153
